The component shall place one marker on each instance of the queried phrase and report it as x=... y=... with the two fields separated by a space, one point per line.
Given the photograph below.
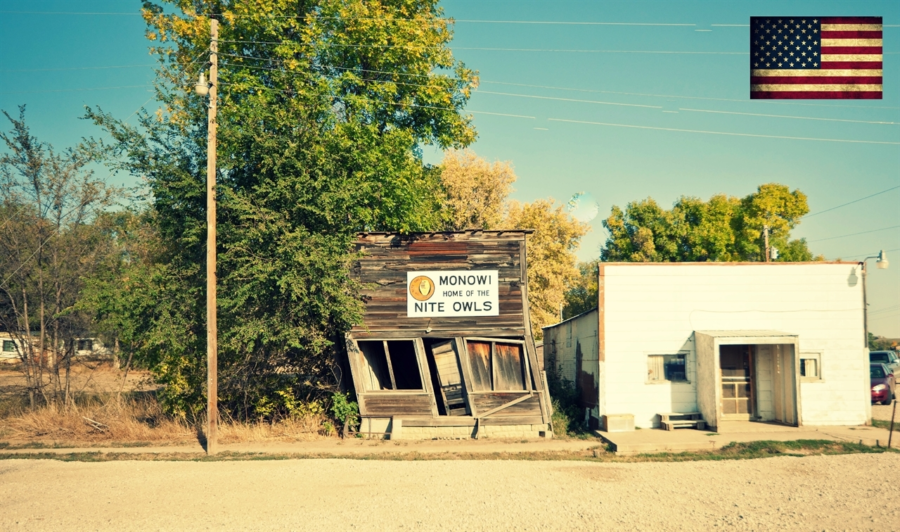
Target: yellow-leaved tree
x=476 y=197
x=474 y=190
x=551 y=256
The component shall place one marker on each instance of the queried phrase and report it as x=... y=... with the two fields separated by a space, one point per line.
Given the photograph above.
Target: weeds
x=734 y=451
x=138 y=420
x=884 y=424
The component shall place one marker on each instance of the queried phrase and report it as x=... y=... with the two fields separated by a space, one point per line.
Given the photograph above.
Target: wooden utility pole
x=212 y=388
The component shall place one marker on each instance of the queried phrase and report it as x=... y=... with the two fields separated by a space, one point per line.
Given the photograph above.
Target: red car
x=883 y=383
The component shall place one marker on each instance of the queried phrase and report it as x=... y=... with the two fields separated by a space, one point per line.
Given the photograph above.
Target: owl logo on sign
x=421 y=288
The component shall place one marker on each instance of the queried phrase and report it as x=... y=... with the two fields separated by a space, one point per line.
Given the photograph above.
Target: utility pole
x=212 y=360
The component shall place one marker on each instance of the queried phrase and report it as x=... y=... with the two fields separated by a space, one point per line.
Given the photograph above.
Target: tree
x=773 y=207
x=324 y=107
x=583 y=293
x=48 y=246
x=551 y=256
x=475 y=190
x=722 y=229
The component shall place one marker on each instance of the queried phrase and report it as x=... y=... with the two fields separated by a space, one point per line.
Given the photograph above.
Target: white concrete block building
x=776 y=342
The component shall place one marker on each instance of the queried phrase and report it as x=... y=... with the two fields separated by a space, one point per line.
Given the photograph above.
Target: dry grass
x=94 y=420
x=133 y=420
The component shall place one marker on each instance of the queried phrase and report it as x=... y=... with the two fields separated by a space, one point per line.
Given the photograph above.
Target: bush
x=568 y=415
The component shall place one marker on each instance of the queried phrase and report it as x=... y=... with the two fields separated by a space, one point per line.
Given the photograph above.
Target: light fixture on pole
x=882 y=263
x=202 y=86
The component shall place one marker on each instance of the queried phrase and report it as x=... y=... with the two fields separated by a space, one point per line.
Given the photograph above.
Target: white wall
x=654 y=309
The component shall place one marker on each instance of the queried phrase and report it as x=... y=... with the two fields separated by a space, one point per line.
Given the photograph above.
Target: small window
x=390 y=365
x=811 y=366
x=9 y=346
x=85 y=345
x=497 y=366
x=666 y=368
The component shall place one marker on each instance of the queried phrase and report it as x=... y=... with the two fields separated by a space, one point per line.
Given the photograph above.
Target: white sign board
x=453 y=293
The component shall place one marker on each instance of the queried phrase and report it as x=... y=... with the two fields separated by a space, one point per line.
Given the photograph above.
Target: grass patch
x=733 y=451
x=886 y=425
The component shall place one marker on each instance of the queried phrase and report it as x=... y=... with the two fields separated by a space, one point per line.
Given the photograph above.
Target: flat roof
x=744 y=333
x=720 y=263
x=464 y=232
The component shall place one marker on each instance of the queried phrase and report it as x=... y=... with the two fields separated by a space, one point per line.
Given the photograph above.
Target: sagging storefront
x=445 y=348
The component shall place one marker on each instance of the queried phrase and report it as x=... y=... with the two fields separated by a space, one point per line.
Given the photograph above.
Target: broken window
x=85 y=345
x=390 y=365
x=811 y=366
x=497 y=366
x=666 y=368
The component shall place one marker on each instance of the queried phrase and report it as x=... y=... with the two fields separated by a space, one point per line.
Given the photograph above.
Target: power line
x=745 y=100
x=872 y=254
x=78 y=90
x=722 y=132
x=570 y=100
x=851 y=202
x=793 y=117
x=74 y=68
x=854 y=234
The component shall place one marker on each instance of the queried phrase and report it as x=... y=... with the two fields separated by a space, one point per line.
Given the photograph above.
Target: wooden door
x=447 y=365
x=737 y=375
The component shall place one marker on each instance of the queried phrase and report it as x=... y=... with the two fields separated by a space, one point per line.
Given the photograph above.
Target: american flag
x=819 y=58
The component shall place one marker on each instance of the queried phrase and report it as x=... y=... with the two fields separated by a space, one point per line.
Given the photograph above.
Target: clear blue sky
x=558 y=159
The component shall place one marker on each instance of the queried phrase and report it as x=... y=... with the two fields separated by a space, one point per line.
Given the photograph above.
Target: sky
x=634 y=70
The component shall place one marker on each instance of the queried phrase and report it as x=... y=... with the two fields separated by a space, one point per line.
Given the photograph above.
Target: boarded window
x=480 y=360
x=498 y=366
x=390 y=365
x=9 y=346
x=666 y=368
x=811 y=366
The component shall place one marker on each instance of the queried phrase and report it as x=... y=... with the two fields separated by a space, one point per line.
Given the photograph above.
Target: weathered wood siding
x=388 y=256
x=396 y=404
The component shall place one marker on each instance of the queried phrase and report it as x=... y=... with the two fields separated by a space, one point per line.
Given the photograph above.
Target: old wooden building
x=445 y=346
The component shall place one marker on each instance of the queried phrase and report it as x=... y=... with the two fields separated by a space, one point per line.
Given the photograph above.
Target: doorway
x=738 y=379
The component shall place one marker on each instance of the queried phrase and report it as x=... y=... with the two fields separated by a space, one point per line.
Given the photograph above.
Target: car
x=883 y=383
x=888 y=358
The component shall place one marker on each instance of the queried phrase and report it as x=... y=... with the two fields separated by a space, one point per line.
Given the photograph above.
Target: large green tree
x=324 y=107
x=721 y=229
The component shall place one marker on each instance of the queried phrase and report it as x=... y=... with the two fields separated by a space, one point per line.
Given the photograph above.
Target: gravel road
x=849 y=492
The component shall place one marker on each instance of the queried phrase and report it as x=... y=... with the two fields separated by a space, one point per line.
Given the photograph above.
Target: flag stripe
x=851 y=27
x=852 y=64
x=820 y=80
x=851 y=50
x=814 y=87
x=851 y=57
x=803 y=73
x=851 y=20
x=850 y=35
x=851 y=42
x=815 y=95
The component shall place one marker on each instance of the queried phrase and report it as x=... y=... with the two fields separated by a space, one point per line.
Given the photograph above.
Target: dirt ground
x=846 y=492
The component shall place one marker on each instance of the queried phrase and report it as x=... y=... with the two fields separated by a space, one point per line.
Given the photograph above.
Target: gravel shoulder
x=785 y=493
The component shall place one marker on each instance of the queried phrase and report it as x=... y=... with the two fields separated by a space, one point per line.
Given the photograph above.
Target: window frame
x=364 y=365
x=528 y=376
x=684 y=354
x=84 y=341
x=811 y=355
x=15 y=347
